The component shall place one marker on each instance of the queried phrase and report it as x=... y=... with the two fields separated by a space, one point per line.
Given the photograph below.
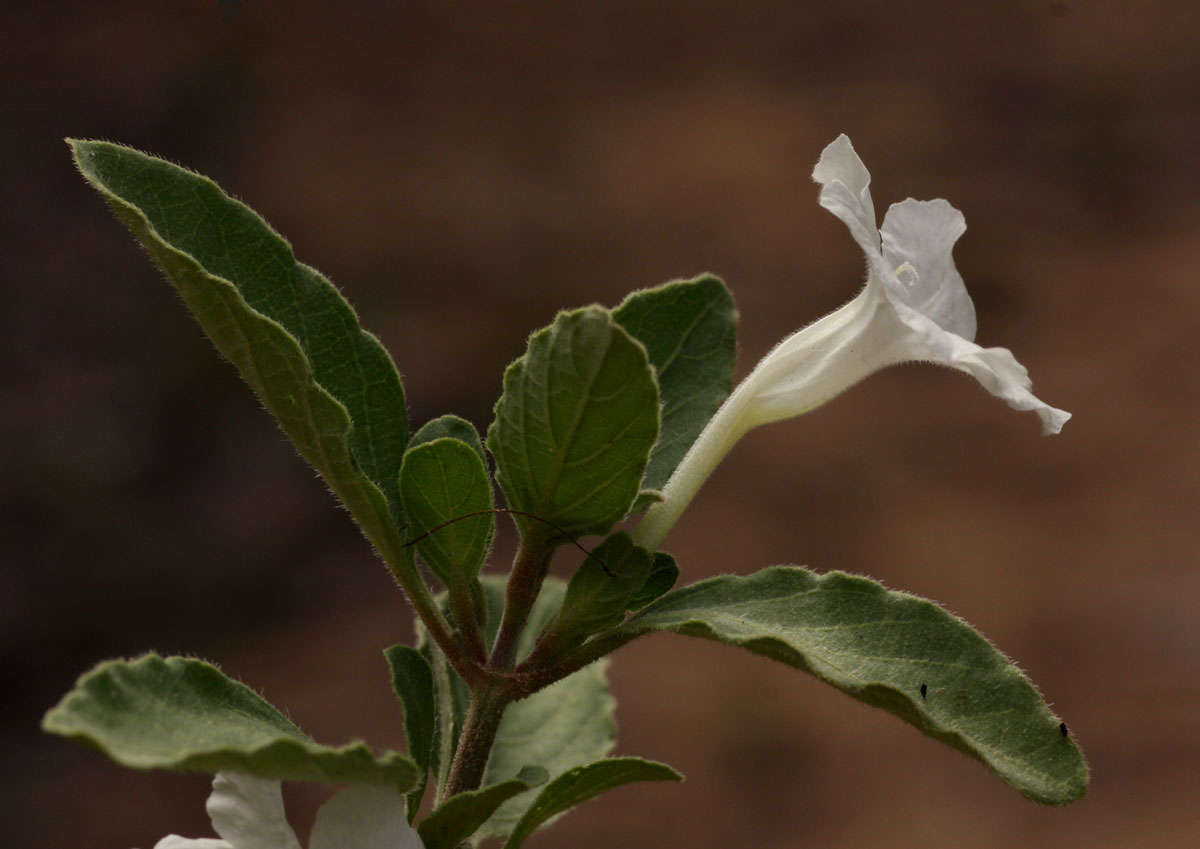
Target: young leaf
x=442 y=483
x=689 y=328
x=883 y=647
x=576 y=423
x=663 y=575
x=458 y=817
x=577 y=785
x=182 y=714
x=600 y=593
x=453 y=427
x=568 y=724
x=412 y=681
x=330 y=384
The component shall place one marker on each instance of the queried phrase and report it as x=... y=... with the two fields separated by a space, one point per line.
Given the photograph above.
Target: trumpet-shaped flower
x=248 y=814
x=913 y=307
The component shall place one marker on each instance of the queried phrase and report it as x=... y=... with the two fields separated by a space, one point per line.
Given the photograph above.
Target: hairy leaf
x=442 y=483
x=330 y=384
x=412 y=681
x=458 y=817
x=179 y=713
x=892 y=650
x=663 y=575
x=576 y=423
x=600 y=592
x=452 y=426
x=689 y=328
x=577 y=785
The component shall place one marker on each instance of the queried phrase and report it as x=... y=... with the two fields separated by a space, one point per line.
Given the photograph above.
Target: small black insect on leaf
x=1062 y=728
x=924 y=691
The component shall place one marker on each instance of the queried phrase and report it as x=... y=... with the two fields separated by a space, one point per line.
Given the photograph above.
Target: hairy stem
x=475 y=744
x=468 y=623
x=431 y=616
x=534 y=675
x=382 y=534
x=524 y=584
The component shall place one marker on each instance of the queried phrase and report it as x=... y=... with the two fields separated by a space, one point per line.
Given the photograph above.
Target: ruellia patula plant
x=611 y=416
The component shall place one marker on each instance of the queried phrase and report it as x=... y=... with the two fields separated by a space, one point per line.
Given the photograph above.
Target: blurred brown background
x=464 y=169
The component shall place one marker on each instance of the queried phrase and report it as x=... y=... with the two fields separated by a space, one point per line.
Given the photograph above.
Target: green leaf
x=453 y=427
x=442 y=483
x=600 y=593
x=689 y=328
x=663 y=575
x=576 y=423
x=458 y=817
x=183 y=714
x=287 y=329
x=452 y=698
x=563 y=726
x=892 y=650
x=412 y=681
x=577 y=785
x=568 y=724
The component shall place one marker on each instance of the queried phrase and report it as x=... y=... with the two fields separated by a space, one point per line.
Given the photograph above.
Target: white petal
x=992 y=367
x=914 y=307
x=846 y=192
x=174 y=841
x=996 y=369
x=918 y=238
x=873 y=331
x=248 y=812
x=363 y=817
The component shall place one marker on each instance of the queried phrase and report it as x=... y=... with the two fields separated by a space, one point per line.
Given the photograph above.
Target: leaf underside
x=180 y=713
x=892 y=650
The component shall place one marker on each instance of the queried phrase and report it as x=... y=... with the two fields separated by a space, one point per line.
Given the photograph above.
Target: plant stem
x=431 y=616
x=378 y=528
x=475 y=743
x=524 y=584
x=532 y=675
x=492 y=692
x=468 y=623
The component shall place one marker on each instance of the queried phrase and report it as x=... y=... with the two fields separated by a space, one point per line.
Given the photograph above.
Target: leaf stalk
x=524 y=584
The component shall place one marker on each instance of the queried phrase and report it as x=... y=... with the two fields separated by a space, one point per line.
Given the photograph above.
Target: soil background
x=462 y=170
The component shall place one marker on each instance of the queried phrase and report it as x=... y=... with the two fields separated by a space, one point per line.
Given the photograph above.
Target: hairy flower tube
x=248 y=814
x=914 y=307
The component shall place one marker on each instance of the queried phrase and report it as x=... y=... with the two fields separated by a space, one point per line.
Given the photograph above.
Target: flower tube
x=914 y=307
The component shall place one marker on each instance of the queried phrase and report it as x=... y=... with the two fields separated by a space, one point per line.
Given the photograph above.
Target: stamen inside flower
x=907 y=275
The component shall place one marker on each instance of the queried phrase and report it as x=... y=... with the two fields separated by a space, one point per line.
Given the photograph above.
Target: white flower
x=248 y=814
x=914 y=307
